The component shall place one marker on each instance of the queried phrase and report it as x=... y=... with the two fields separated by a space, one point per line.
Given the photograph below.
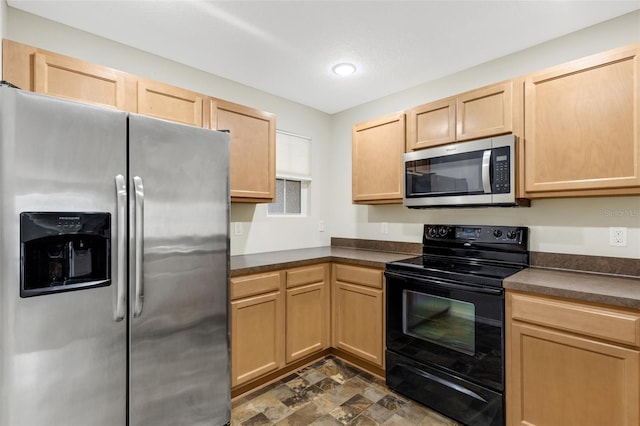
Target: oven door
x=455 y=327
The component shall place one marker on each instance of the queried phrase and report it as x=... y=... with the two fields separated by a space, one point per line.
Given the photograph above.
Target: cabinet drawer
x=605 y=323
x=251 y=285
x=306 y=275
x=363 y=276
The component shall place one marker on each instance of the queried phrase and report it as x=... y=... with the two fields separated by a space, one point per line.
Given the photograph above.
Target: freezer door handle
x=121 y=223
x=139 y=247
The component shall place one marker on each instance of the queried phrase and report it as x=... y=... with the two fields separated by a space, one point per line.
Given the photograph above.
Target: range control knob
x=497 y=233
x=443 y=231
x=512 y=234
x=432 y=231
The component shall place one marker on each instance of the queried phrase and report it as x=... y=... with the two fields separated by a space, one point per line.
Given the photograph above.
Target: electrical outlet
x=321 y=226
x=618 y=237
x=237 y=228
x=384 y=228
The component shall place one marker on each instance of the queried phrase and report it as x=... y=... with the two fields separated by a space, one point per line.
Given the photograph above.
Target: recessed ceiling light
x=344 y=69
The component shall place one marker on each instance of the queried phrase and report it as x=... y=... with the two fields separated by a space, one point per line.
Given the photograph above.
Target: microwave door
x=449 y=179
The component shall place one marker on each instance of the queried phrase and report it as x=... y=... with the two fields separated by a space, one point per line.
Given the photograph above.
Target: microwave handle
x=486 y=168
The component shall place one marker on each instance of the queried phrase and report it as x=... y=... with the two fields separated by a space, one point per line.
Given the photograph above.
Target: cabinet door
x=581 y=127
x=77 y=80
x=431 y=124
x=169 y=102
x=257 y=333
x=49 y=73
x=485 y=112
x=377 y=160
x=307 y=320
x=358 y=317
x=253 y=155
x=307 y=311
x=559 y=379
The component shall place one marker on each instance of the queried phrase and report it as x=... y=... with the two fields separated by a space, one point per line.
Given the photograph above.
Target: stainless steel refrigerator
x=113 y=267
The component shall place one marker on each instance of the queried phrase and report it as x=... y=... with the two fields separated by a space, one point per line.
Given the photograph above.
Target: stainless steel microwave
x=466 y=174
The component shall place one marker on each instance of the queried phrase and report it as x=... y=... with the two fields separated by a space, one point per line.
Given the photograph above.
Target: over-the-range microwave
x=476 y=173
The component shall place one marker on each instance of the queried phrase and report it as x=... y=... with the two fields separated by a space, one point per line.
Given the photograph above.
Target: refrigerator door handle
x=121 y=205
x=138 y=241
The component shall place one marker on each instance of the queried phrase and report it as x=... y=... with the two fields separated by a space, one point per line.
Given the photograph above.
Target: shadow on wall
x=242 y=212
x=573 y=212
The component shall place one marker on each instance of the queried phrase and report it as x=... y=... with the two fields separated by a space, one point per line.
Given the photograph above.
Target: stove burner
x=483 y=255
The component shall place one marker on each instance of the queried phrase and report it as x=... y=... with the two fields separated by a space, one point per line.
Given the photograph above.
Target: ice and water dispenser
x=63 y=251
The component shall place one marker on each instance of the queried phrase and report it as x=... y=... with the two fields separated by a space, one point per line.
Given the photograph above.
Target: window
x=293 y=174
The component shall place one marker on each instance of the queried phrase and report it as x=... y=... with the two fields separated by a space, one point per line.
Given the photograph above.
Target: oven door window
x=446 y=322
x=457 y=174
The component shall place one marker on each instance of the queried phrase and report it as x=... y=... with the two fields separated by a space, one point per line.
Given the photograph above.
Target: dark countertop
x=589 y=287
x=264 y=262
x=606 y=288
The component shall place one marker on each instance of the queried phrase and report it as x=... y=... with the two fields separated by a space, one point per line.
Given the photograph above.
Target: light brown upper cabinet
x=377 y=150
x=52 y=74
x=253 y=149
x=168 y=102
x=582 y=127
x=479 y=113
x=253 y=132
x=431 y=124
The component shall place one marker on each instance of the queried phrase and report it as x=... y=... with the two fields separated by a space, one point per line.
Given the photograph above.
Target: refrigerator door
x=179 y=202
x=63 y=353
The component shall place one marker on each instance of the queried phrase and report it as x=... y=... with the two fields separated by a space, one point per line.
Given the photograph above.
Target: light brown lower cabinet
x=307 y=318
x=571 y=363
x=358 y=312
x=257 y=326
x=282 y=319
x=278 y=318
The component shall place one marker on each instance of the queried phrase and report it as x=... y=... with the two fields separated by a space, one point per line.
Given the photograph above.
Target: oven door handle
x=485 y=290
x=443 y=382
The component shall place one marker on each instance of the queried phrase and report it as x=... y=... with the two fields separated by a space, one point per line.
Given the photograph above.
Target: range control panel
x=477 y=234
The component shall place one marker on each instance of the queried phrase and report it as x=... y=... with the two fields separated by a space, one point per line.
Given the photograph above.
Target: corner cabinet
x=377 y=160
x=582 y=131
x=571 y=363
x=253 y=150
x=488 y=111
x=358 y=312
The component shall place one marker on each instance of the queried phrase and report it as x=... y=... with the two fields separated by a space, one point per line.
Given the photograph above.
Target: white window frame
x=304 y=179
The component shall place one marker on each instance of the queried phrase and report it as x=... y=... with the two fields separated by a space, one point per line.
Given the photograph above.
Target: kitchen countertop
x=610 y=289
x=589 y=287
x=264 y=262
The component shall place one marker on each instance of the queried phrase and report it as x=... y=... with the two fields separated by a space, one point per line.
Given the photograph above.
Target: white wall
x=260 y=233
x=578 y=226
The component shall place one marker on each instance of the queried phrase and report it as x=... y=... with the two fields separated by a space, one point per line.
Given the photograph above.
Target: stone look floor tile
x=257 y=420
x=243 y=412
x=330 y=392
x=304 y=416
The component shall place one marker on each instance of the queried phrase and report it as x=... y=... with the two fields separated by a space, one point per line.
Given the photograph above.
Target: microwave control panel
x=501 y=180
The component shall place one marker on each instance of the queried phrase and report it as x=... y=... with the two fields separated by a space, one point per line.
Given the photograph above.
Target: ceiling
x=287 y=48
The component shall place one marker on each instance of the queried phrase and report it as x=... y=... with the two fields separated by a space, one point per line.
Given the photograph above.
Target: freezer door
x=179 y=198
x=63 y=353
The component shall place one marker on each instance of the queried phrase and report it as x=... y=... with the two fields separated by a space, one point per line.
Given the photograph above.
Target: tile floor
x=330 y=392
